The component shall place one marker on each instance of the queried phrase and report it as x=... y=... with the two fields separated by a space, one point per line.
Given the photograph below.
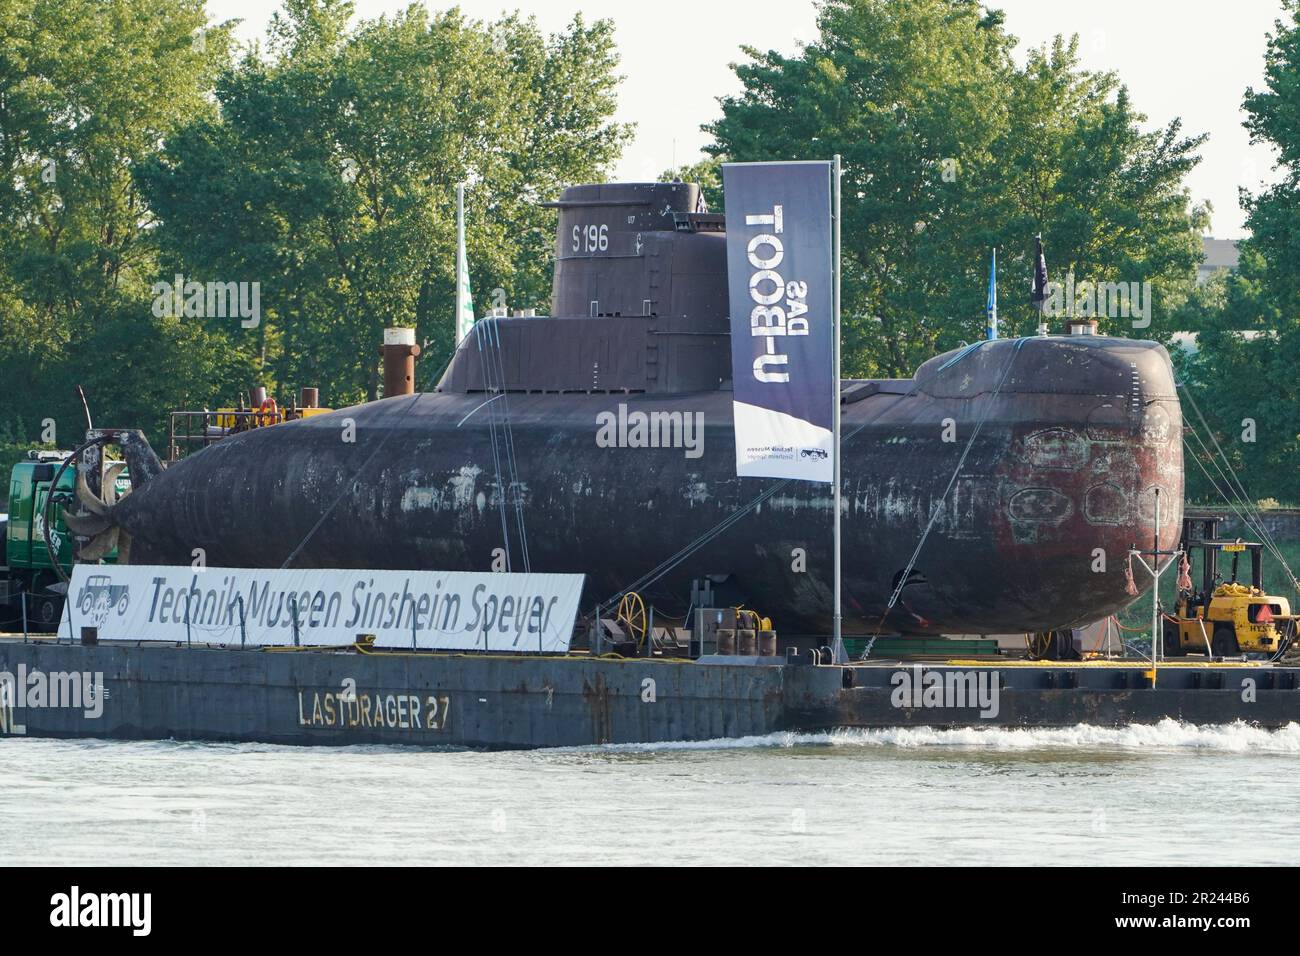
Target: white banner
x=440 y=610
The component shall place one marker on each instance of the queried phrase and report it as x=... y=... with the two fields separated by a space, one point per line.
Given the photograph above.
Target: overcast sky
x=1187 y=58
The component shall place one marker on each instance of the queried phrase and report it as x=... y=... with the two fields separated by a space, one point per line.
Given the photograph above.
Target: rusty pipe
x=399 y=351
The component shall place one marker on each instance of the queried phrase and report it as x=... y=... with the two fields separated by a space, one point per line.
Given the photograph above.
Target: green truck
x=28 y=577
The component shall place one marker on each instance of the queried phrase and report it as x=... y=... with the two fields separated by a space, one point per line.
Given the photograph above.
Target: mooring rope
x=479 y=335
x=674 y=560
x=347 y=485
x=512 y=466
x=1236 y=496
x=671 y=562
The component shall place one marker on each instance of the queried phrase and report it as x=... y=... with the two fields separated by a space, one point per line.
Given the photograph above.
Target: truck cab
x=28 y=569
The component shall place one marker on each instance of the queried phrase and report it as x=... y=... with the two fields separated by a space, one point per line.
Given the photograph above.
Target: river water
x=1167 y=794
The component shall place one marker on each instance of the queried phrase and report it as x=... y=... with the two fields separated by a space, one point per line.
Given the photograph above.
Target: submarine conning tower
x=639 y=301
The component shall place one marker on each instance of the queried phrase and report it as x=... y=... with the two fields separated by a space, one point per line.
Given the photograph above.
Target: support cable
x=961 y=462
x=479 y=335
x=347 y=485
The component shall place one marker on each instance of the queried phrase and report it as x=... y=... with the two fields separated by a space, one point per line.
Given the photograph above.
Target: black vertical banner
x=780 y=277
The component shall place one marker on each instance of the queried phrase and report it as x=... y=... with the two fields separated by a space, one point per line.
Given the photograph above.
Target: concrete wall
x=1283 y=524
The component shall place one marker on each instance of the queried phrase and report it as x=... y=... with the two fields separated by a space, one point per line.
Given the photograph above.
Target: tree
x=948 y=150
x=87 y=91
x=1242 y=375
x=708 y=173
x=329 y=175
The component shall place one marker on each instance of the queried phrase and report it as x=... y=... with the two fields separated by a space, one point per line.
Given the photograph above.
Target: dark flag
x=1038 y=298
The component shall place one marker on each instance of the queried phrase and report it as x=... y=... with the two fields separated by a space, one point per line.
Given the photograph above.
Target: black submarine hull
x=1029 y=523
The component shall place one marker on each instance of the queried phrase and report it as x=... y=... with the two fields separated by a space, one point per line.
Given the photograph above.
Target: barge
x=311 y=696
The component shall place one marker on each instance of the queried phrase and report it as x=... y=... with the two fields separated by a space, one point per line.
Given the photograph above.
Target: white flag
x=464 y=299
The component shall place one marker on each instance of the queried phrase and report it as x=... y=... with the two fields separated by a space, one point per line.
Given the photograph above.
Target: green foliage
x=949 y=149
x=1248 y=343
x=1241 y=376
x=708 y=173
x=329 y=177
x=89 y=90
x=142 y=145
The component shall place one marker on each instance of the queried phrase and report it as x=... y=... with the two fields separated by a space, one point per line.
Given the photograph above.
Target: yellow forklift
x=1225 y=618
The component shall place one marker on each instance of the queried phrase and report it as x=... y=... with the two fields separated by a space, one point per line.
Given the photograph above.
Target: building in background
x=1219 y=254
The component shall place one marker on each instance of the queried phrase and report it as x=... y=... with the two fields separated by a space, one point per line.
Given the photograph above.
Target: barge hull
x=309 y=697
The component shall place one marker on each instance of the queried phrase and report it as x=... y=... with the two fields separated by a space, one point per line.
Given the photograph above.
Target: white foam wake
x=1168 y=735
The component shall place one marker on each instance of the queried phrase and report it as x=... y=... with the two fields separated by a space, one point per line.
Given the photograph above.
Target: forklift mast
x=1201 y=533
x=1198 y=529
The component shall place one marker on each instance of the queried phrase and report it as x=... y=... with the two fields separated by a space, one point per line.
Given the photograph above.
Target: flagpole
x=837 y=646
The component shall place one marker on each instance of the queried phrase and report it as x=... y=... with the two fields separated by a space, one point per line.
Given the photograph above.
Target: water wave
x=1167 y=735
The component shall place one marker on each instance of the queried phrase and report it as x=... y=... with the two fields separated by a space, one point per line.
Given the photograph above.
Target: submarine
x=999 y=489
x=598 y=440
